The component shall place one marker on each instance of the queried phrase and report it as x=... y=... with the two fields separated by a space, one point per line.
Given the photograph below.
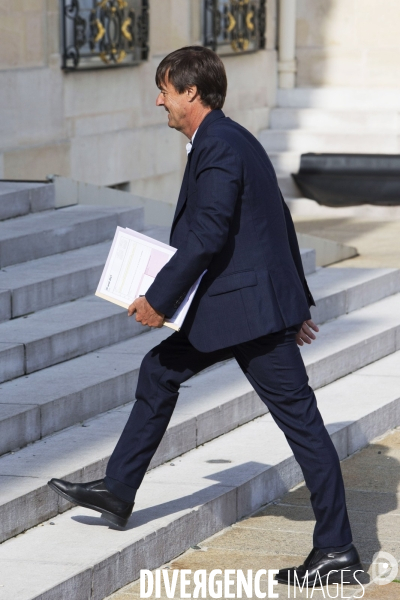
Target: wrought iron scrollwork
x=104 y=33
x=234 y=26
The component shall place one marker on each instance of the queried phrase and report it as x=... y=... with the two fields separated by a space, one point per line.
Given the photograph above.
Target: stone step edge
x=77 y=284
x=323 y=312
x=99 y=580
x=283 y=477
x=25 y=198
x=181 y=437
x=318 y=133
x=62 y=344
x=37 y=234
x=276 y=143
x=339 y=98
x=89 y=272
x=321 y=370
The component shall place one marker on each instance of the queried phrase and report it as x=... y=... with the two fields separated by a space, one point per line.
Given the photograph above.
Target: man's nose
x=160 y=100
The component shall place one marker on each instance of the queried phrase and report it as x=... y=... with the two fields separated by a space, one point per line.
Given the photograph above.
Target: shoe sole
x=336 y=577
x=108 y=516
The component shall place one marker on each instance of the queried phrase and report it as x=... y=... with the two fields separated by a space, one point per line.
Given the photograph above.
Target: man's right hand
x=305 y=335
x=145 y=313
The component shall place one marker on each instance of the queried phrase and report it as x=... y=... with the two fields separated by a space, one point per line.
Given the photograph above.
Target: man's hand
x=305 y=335
x=145 y=313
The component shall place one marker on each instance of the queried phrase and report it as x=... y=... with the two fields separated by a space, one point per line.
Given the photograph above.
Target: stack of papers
x=131 y=267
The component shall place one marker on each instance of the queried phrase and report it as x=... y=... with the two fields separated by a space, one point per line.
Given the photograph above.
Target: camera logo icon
x=384 y=568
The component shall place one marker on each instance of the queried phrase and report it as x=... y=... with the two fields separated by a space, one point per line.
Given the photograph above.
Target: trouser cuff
x=121 y=490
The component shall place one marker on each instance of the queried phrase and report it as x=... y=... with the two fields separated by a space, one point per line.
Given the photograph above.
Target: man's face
x=177 y=105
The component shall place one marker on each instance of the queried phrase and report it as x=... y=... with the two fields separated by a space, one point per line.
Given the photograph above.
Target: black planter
x=350 y=179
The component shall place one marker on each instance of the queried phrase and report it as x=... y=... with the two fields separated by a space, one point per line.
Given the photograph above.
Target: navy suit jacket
x=231 y=219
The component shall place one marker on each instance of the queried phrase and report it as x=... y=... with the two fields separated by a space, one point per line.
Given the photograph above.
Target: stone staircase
x=328 y=120
x=69 y=365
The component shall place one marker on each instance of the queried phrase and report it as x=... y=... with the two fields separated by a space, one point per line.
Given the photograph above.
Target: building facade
x=102 y=126
x=351 y=43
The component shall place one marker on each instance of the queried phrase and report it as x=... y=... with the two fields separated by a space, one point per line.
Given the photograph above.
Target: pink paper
x=157 y=261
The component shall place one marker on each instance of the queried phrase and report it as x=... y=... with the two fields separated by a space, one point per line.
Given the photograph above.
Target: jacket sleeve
x=218 y=185
x=295 y=250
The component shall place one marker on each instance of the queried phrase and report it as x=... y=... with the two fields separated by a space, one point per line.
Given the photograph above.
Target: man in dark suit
x=252 y=304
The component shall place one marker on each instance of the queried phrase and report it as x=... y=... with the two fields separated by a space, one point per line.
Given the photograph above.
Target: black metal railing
x=104 y=33
x=234 y=26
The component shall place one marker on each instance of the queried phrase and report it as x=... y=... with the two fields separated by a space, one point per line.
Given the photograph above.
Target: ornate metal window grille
x=234 y=26
x=104 y=33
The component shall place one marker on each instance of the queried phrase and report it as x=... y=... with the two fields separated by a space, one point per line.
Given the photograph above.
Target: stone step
x=353 y=341
x=52 y=399
x=287 y=186
x=212 y=403
x=19 y=198
x=43 y=234
x=208 y=407
x=78 y=555
x=308 y=258
x=5 y=304
x=52 y=280
x=12 y=360
x=339 y=291
x=342 y=98
x=49 y=400
x=346 y=121
x=63 y=332
x=285 y=162
x=303 y=141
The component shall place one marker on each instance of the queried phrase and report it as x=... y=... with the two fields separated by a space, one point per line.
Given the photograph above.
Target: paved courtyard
x=377 y=241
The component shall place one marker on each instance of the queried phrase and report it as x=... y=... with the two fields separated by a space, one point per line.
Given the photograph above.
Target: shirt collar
x=190 y=144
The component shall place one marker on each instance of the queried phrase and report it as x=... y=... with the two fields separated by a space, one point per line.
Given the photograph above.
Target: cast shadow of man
x=220 y=514
x=372 y=481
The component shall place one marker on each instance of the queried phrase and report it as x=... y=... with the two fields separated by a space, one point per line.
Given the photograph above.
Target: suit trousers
x=274 y=367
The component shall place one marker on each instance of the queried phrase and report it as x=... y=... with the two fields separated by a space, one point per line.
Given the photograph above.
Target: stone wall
x=348 y=43
x=103 y=127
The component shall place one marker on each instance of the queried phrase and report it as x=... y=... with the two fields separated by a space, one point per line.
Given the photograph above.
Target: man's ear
x=191 y=93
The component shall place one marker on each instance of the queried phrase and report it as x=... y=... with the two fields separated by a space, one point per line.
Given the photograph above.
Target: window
x=104 y=33
x=234 y=26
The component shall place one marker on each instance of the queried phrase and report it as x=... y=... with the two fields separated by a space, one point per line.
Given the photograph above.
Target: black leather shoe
x=328 y=566
x=96 y=496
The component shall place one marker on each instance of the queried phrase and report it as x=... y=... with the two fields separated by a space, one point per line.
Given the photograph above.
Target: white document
x=131 y=267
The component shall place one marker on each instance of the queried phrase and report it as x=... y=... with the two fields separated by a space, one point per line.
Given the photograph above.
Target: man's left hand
x=145 y=313
x=305 y=335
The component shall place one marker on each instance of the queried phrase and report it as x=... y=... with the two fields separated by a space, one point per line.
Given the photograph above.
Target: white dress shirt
x=190 y=144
